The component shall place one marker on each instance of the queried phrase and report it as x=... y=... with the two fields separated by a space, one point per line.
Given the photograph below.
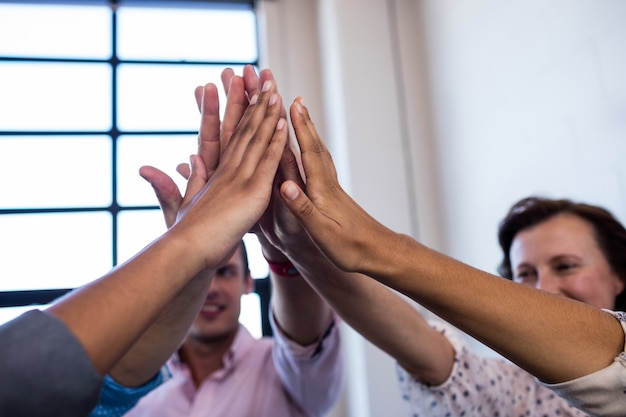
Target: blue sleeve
x=116 y=400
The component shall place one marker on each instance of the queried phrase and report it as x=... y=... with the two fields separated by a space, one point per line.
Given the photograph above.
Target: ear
x=249 y=283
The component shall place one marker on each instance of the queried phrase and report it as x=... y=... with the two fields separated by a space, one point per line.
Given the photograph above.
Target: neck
x=204 y=356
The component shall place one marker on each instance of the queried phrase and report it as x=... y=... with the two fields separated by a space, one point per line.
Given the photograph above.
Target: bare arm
x=302 y=304
x=164 y=336
x=110 y=314
x=381 y=316
x=554 y=338
x=298 y=310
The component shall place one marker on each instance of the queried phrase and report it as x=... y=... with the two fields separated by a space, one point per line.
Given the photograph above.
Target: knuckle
x=306 y=210
x=247 y=130
x=318 y=147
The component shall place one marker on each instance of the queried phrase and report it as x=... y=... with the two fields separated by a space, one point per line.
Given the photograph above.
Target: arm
x=298 y=310
x=498 y=312
x=133 y=294
x=369 y=307
x=381 y=316
x=164 y=336
x=99 y=322
x=372 y=309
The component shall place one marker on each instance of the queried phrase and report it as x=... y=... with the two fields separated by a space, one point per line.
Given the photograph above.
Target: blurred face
x=219 y=317
x=561 y=256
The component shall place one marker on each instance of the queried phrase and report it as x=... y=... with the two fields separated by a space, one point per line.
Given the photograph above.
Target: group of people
x=159 y=334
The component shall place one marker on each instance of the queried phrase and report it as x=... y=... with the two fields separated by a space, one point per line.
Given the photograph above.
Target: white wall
x=529 y=97
x=440 y=114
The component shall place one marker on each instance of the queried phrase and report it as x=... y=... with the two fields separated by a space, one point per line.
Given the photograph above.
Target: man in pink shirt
x=221 y=370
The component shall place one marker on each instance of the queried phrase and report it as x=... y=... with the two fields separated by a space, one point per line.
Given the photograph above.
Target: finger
x=184 y=169
x=303 y=210
x=166 y=191
x=209 y=133
x=236 y=105
x=289 y=168
x=251 y=81
x=198 y=95
x=265 y=160
x=226 y=75
x=266 y=75
x=257 y=129
x=283 y=222
x=197 y=179
x=316 y=159
x=274 y=151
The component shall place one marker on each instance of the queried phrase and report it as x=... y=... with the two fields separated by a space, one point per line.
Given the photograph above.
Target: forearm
x=554 y=338
x=383 y=317
x=108 y=315
x=298 y=310
x=146 y=357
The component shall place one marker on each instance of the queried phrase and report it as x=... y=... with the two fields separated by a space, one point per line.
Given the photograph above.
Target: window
x=89 y=92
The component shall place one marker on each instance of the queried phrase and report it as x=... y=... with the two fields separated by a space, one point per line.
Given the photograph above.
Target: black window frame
x=45 y=296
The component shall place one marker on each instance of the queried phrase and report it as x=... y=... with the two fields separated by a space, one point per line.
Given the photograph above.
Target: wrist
x=283 y=269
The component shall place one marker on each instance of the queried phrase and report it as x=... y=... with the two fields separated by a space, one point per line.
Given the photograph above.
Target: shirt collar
x=241 y=344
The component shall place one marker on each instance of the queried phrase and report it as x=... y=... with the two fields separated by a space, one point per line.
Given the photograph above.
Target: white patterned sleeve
x=602 y=393
x=479 y=386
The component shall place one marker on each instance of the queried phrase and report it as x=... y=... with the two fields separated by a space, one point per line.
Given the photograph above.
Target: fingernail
x=298 y=107
x=267 y=85
x=291 y=191
x=273 y=99
x=254 y=99
x=281 y=123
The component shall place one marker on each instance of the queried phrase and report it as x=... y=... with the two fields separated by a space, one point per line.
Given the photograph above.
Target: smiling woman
x=78 y=82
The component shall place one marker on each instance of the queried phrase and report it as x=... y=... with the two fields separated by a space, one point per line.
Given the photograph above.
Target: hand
x=225 y=206
x=340 y=228
x=167 y=193
x=238 y=89
x=212 y=137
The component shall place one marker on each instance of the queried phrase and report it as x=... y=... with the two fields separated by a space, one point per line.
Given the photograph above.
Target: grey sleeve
x=44 y=370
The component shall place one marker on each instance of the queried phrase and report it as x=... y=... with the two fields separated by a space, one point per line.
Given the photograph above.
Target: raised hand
x=211 y=220
x=213 y=135
x=167 y=193
x=239 y=190
x=277 y=229
x=337 y=224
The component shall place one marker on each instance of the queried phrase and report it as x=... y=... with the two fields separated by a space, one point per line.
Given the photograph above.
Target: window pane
x=52 y=96
x=9 y=313
x=53 y=250
x=162 y=152
x=192 y=34
x=55 y=171
x=161 y=97
x=136 y=229
x=29 y=30
x=256 y=261
x=250 y=314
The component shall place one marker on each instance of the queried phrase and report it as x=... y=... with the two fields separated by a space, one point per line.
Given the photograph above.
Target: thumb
x=184 y=169
x=197 y=179
x=166 y=191
x=298 y=203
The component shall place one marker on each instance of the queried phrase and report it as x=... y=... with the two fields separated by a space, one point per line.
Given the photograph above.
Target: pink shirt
x=269 y=377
